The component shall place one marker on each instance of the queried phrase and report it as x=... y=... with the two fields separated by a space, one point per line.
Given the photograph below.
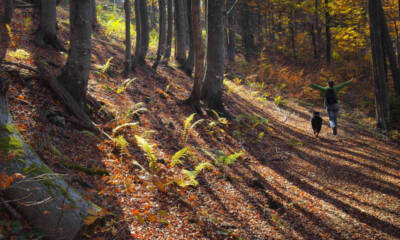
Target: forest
x=199 y=119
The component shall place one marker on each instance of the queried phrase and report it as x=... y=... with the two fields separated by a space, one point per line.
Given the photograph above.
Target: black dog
x=316 y=123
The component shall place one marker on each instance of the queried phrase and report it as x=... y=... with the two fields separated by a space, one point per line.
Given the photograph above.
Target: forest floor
x=287 y=184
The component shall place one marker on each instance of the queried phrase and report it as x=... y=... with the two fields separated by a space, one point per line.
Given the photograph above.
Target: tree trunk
x=162 y=33
x=231 y=35
x=247 y=35
x=213 y=84
x=139 y=38
x=328 y=33
x=189 y=64
x=319 y=31
x=47 y=32
x=378 y=59
x=8 y=11
x=42 y=197
x=169 y=31
x=95 y=24
x=128 y=60
x=292 y=29
x=142 y=20
x=314 y=41
x=389 y=51
x=195 y=95
x=180 y=32
x=76 y=73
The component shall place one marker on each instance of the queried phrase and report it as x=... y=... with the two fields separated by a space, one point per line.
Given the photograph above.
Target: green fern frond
x=190 y=176
x=125 y=85
x=188 y=126
x=147 y=148
x=221 y=120
x=201 y=166
x=116 y=129
x=121 y=142
x=232 y=158
x=176 y=158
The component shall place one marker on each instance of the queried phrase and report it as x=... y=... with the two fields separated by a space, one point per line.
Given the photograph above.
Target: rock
x=56 y=118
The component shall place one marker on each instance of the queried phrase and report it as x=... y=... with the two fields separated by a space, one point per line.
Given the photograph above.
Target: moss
x=88 y=171
x=8 y=128
x=11 y=145
x=48 y=181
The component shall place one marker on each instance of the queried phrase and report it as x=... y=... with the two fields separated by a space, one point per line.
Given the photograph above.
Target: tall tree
x=231 y=32
x=247 y=34
x=76 y=73
x=128 y=60
x=47 y=31
x=213 y=83
x=95 y=24
x=328 y=32
x=389 y=51
x=162 y=33
x=318 y=27
x=142 y=31
x=378 y=60
x=180 y=32
x=8 y=11
x=195 y=95
x=167 y=54
x=189 y=64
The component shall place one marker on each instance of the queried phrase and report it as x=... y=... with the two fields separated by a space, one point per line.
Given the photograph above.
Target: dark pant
x=333 y=113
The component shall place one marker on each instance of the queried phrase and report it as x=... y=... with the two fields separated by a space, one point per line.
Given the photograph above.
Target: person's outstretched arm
x=342 y=85
x=316 y=86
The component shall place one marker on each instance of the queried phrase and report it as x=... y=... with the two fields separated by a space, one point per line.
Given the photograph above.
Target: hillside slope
x=284 y=183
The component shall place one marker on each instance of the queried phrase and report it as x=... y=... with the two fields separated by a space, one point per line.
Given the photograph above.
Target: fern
x=176 y=159
x=116 y=129
x=125 y=85
x=147 y=148
x=121 y=142
x=188 y=126
x=226 y=160
x=295 y=142
x=106 y=67
x=232 y=158
x=221 y=120
x=139 y=107
x=190 y=176
x=277 y=100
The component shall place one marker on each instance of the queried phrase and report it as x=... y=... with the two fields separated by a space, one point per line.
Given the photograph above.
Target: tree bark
x=292 y=28
x=189 y=64
x=128 y=60
x=328 y=33
x=231 y=33
x=213 y=83
x=95 y=24
x=47 y=32
x=42 y=197
x=378 y=59
x=139 y=38
x=389 y=51
x=8 y=11
x=319 y=31
x=195 y=95
x=142 y=20
x=313 y=41
x=162 y=33
x=169 y=31
x=180 y=32
x=247 y=35
x=76 y=73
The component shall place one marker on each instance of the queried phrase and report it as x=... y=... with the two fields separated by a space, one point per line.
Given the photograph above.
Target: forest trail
x=287 y=185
